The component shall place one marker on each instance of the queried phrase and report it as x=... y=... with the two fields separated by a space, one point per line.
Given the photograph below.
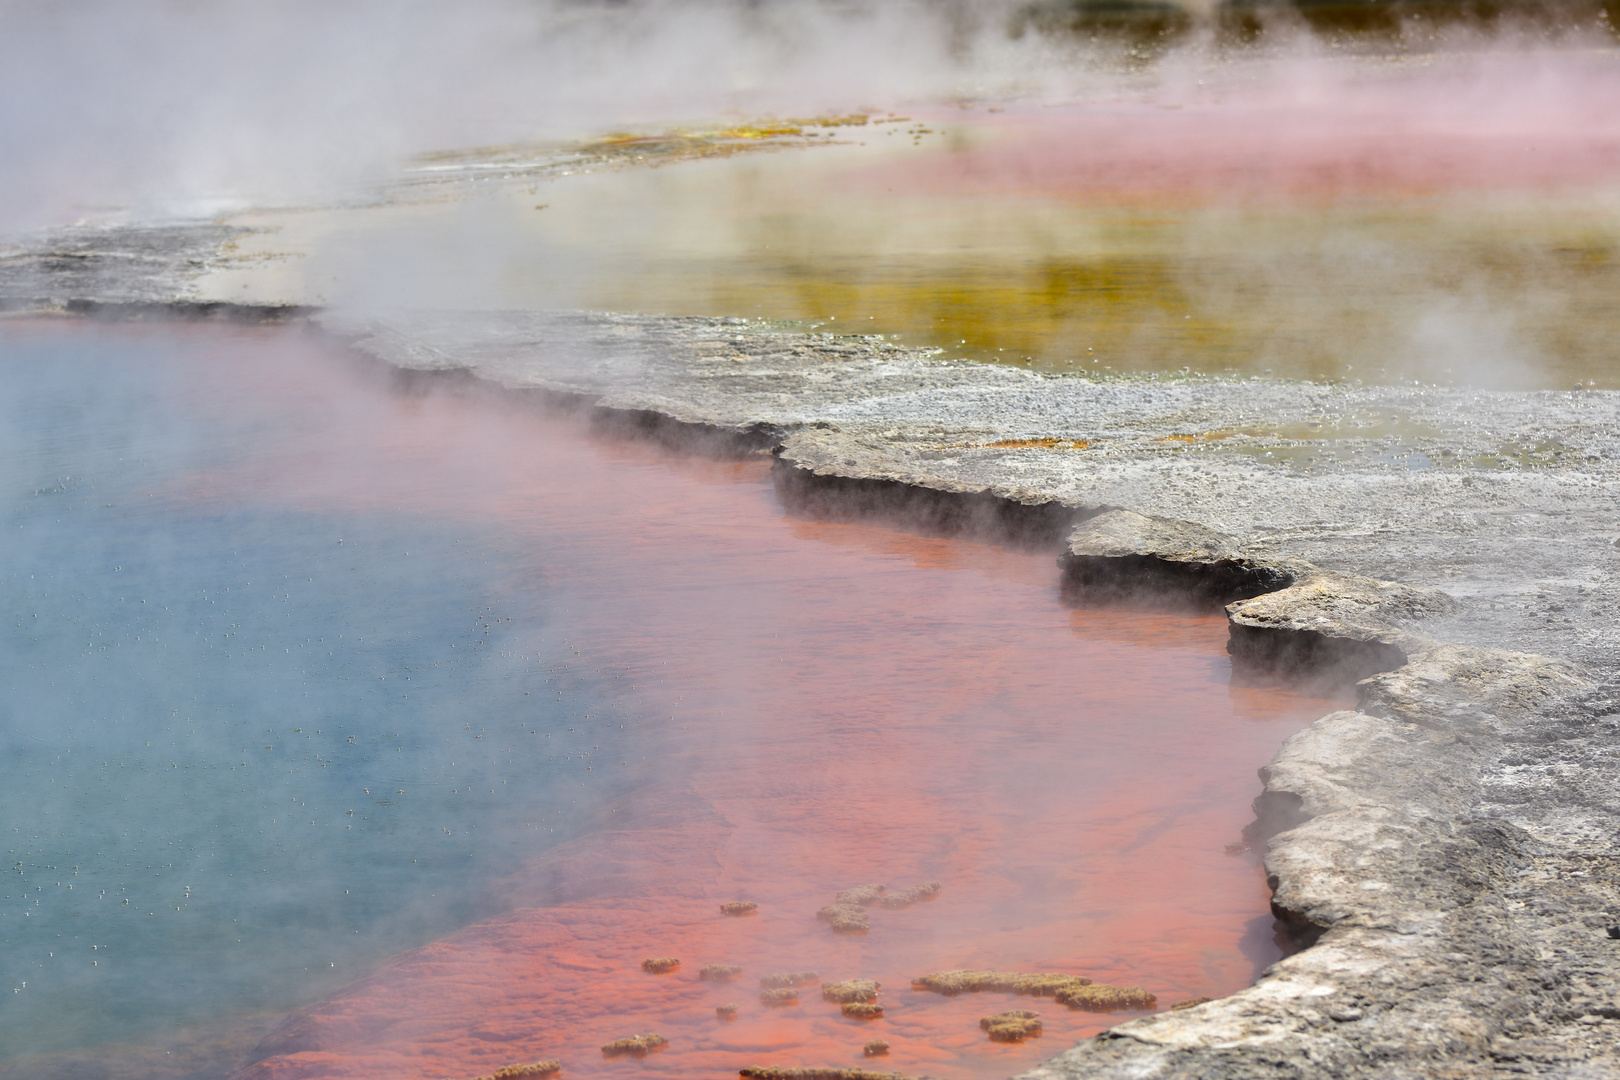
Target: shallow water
x=806 y=706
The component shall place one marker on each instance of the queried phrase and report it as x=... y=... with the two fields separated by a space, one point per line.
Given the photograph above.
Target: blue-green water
x=245 y=750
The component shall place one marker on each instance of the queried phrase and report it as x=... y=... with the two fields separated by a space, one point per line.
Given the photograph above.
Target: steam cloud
x=173 y=107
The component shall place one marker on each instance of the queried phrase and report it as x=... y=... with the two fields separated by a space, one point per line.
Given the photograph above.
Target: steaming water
x=1454 y=225
x=1226 y=237
x=249 y=748
x=252 y=580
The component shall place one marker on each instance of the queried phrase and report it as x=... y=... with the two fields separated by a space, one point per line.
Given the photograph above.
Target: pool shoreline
x=1443 y=848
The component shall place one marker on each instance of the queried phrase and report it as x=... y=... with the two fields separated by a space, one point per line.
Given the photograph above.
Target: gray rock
x=1120 y=556
x=1330 y=627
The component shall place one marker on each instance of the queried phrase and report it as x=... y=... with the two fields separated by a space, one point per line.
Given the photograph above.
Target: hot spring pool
x=308 y=668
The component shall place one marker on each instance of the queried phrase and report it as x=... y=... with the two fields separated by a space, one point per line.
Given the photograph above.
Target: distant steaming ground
x=806 y=707
x=1448 y=219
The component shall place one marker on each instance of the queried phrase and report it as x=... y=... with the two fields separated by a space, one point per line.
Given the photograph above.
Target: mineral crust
x=850 y=990
x=773 y=1073
x=847 y=913
x=634 y=1045
x=926 y=891
x=845 y=918
x=1075 y=991
x=788 y=978
x=952 y=983
x=1014 y=1025
x=522 y=1072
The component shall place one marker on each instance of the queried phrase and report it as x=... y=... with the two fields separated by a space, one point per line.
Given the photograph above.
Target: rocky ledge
x=1446 y=850
x=1442 y=857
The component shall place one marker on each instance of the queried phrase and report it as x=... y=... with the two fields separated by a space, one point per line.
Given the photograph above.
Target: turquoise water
x=247 y=748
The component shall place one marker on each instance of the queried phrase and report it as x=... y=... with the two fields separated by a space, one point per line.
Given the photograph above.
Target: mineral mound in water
x=519 y=1072
x=781 y=995
x=1100 y=998
x=773 y=1073
x=860 y=895
x=1075 y=991
x=861 y=1010
x=951 y=983
x=638 y=1045
x=926 y=891
x=1014 y=1025
x=727 y=1011
x=847 y=912
x=719 y=972
x=850 y=990
x=876 y=1048
x=658 y=965
x=788 y=978
x=845 y=918
x=738 y=908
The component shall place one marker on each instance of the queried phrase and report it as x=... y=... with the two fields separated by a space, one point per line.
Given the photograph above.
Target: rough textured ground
x=1449 y=847
x=85 y=267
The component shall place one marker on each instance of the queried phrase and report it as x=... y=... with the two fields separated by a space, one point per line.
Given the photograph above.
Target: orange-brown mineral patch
x=781 y=995
x=861 y=1010
x=876 y=1048
x=659 y=965
x=719 y=972
x=739 y=908
x=1039 y=444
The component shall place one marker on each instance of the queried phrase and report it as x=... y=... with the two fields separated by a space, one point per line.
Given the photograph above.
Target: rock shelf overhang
x=1447 y=848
